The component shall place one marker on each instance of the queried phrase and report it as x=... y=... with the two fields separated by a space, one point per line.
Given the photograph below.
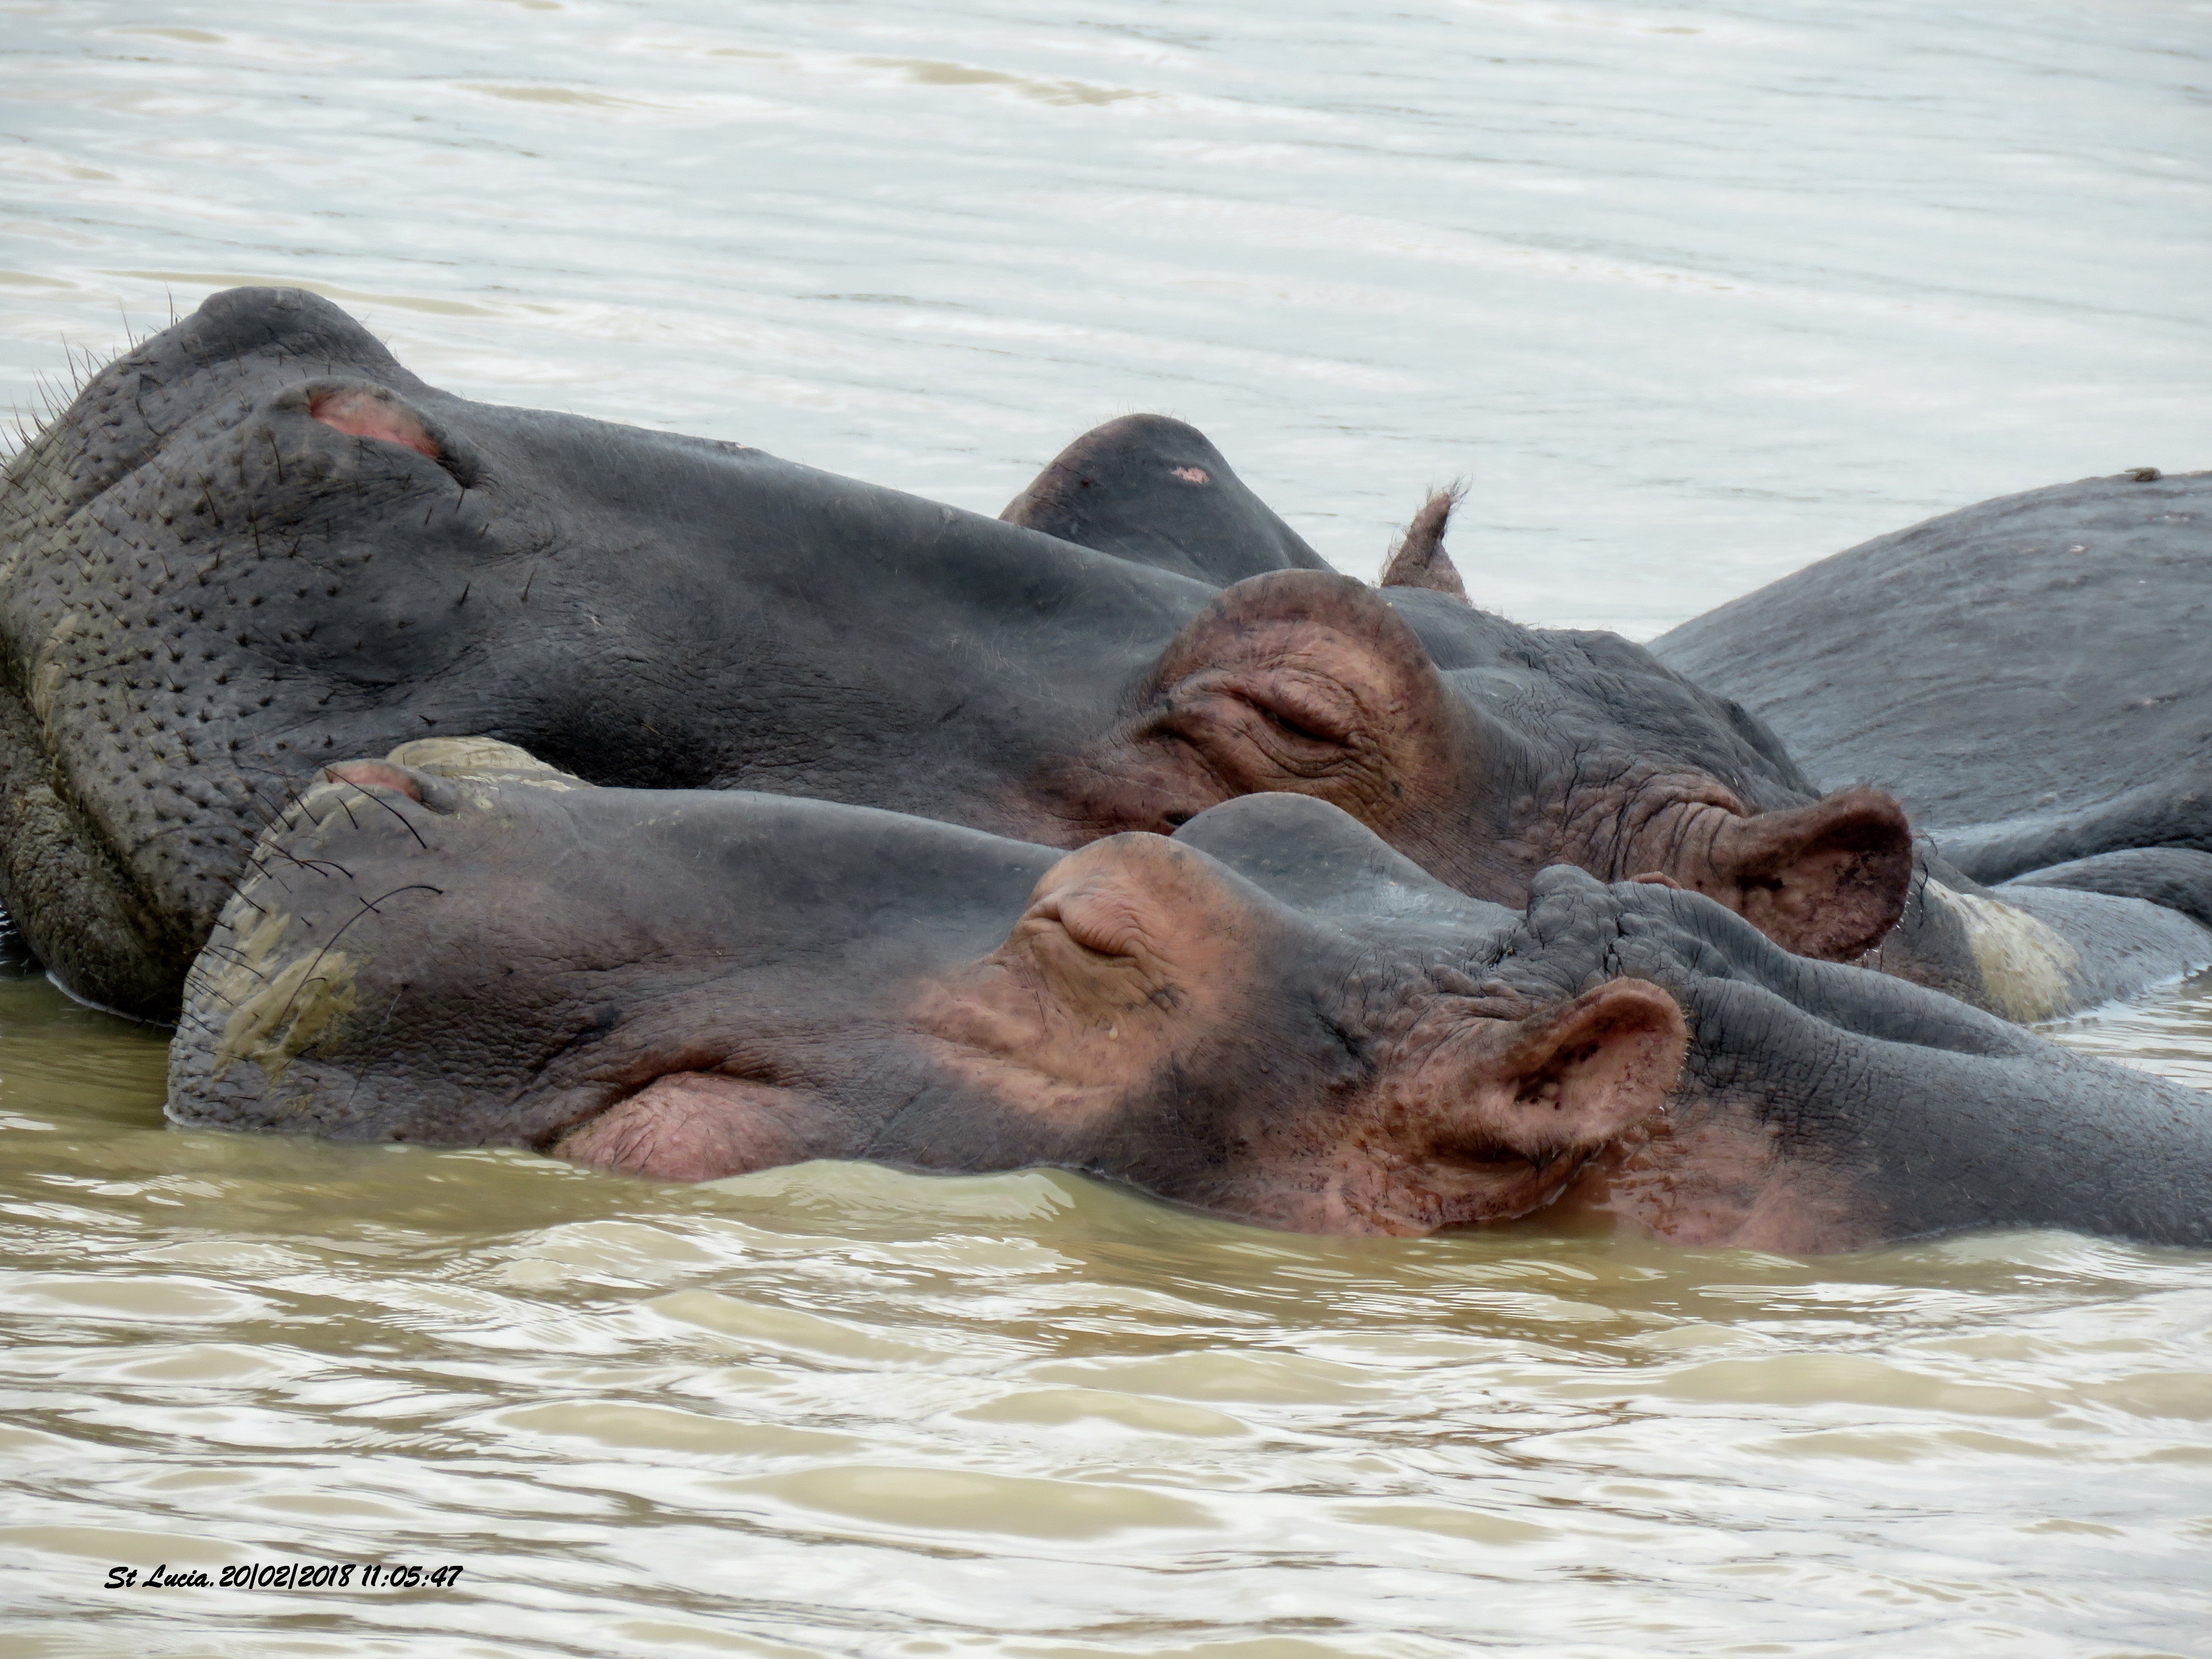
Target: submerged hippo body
x=2030 y=677
x=255 y=544
x=1271 y=1015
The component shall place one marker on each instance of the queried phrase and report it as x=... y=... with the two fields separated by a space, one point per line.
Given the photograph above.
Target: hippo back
x=2040 y=655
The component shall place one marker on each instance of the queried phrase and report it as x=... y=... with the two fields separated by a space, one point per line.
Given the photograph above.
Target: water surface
x=836 y=1410
x=1692 y=293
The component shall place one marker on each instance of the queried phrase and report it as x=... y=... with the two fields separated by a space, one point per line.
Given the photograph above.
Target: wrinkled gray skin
x=1273 y=1017
x=255 y=544
x=2030 y=677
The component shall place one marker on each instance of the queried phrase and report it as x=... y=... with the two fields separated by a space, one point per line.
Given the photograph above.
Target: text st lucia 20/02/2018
x=287 y=1575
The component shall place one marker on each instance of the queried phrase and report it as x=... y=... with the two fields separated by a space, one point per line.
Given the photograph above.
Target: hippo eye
x=1285 y=724
x=1299 y=708
x=1101 y=926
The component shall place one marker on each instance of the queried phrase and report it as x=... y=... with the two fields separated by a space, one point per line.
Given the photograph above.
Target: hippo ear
x=1419 y=559
x=1562 y=1082
x=1156 y=491
x=1307 y=681
x=1826 y=880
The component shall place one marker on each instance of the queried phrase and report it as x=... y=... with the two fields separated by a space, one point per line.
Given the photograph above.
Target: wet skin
x=2029 y=675
x=1271 y=1015
x=257 y=543
x=688 y=985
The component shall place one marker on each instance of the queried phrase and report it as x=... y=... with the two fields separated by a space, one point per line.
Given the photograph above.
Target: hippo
x=2030 y=956
x=461 y=945
x=1271 y=1015
x=255 y=544
x=2029 y=677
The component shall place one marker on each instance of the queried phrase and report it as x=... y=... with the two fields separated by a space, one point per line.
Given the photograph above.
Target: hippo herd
x=473 y=775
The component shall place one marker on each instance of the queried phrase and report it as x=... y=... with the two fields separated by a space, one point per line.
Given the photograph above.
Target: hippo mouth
x=694 y=1126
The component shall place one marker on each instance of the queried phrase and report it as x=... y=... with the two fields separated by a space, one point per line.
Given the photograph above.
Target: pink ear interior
x=1826 y=880
x=368 y=412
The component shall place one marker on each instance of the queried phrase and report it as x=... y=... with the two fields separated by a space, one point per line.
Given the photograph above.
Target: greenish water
x=838 y=1410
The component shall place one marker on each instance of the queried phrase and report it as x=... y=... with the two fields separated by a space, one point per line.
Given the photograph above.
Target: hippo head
x=461 y=946
x=1191 y=1033
x=1486 y=752
x=255 y=544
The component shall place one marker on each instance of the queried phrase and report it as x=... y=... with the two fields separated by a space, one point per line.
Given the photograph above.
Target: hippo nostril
x=375 y=775
x=372 y=412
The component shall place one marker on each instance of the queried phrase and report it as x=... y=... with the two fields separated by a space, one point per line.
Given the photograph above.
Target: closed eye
x=1300 y=709
x=1284 y=723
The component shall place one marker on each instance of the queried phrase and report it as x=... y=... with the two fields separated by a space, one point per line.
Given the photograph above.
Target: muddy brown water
x=839 y=1410
x=1692 y=293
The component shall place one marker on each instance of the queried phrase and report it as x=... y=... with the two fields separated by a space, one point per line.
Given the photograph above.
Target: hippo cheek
x=1479 y=1119
x=1301 y=681
x=1827 y=880
x=1714 y=1174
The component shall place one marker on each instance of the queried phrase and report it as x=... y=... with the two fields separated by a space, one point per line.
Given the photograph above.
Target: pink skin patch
x=363 y=412
x=697 y=1126
x=373 y=775
x=1189 y=474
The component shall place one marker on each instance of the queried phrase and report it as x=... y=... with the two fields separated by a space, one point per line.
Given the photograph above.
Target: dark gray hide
x=2030 y=675
x=256 y=542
